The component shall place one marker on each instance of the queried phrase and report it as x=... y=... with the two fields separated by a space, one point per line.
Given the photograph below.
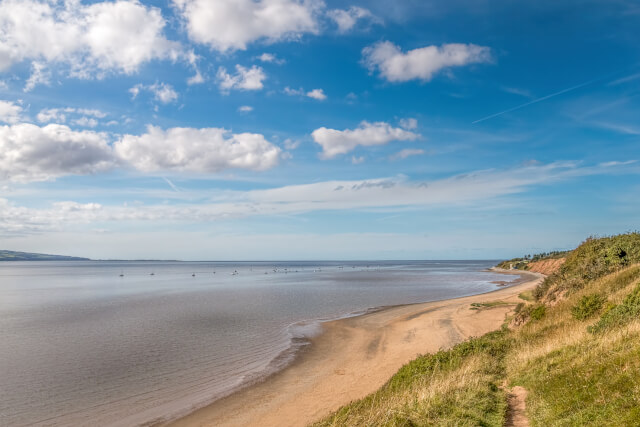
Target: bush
x=587 y=306
x=620 y=314
x=538 y=312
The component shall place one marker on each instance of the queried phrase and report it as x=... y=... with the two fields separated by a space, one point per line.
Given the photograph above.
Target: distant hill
x=26 y=256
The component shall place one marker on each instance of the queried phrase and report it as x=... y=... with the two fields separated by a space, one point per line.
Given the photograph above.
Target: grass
x=526 y=295
x=490 y=304
x=577 y=355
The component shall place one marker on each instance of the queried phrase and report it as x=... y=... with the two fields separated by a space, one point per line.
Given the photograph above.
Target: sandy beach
x=355 y=356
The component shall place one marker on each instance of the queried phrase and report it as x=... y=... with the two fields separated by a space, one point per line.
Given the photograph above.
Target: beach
x=354 y=356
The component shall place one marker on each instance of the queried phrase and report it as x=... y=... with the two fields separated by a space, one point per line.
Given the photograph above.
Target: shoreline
x=356 y=355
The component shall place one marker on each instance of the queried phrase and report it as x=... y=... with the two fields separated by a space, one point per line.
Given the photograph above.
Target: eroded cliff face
x=546 y=266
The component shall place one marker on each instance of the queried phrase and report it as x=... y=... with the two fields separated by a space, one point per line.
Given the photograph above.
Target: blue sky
x=286 y=129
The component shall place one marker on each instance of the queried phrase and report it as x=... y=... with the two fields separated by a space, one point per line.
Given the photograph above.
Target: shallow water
x=82 y=345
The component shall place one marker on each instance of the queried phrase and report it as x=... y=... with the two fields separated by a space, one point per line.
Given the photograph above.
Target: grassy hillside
x=577 y=354
x=26 y=256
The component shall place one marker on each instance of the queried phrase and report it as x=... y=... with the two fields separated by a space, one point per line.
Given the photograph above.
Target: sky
x=303 y=129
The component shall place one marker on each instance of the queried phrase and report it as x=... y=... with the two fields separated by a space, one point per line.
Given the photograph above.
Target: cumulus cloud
x=37 y=153
x=347 y=19
x=335 y=142
x=92 y=39
x=33 y=153
x=226 y=25
x=271 y=58
x=422 y=63
x=243 y=79
x=10 y=112
x=245 y=108
x=196 y=150
x=407 y=152
x=317 y=94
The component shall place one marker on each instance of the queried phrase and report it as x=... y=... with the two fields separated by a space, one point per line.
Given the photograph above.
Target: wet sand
x=355 y=356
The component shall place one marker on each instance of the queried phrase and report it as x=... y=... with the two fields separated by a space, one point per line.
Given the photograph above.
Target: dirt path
x=516 y=414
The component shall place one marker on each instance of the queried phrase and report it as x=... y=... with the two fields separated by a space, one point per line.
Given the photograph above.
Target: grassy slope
x=579 y=358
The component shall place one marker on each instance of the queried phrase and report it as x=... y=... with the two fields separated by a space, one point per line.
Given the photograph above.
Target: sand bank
x=355 y=356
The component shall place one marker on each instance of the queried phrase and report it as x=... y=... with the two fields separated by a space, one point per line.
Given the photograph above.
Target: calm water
x=81 y=345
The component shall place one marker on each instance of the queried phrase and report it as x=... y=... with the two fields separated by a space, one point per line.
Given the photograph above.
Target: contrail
x=535 y=101
x=171 y=184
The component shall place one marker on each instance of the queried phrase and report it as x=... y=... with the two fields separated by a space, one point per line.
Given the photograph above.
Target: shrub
x=620 y=314
x=587 y=306
x=538 y=312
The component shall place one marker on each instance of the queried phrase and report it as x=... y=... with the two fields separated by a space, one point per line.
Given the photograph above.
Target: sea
x=114 y=343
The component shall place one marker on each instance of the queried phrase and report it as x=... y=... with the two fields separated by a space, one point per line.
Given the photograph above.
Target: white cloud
x=409 y=123
x=162 y=92
x=40 y=75
x=92 y=39
x=135 y=90
x=86 y=122
x=10 y=112
x=357 y=160
x=407 y=152
x=197 y=78
x=517 y=91
x=293 y=92
x=475 y=188
x=51 y=115
x=59 y=115
x=243 y=79
x=196 y=150
x=32 y=153
x=270 y=57
x=245 y=109
x=291 y=144
x=422 y=63
x=347 y=19
x=227 y=25
x=317 y=94
x=336 y=142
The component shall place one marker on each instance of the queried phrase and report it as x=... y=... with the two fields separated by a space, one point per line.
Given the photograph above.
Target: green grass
x=578 y=357
x=490 y=304
x=526 y=295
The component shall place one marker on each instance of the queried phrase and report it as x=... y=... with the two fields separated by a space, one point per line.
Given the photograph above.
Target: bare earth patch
x=516 y=414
